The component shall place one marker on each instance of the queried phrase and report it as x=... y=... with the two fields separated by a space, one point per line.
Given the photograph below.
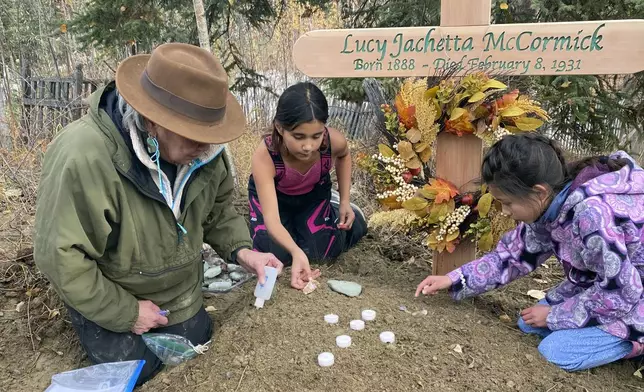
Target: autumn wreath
x=410 y=197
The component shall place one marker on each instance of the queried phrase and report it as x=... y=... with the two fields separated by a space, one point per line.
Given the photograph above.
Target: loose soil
x=276 y=348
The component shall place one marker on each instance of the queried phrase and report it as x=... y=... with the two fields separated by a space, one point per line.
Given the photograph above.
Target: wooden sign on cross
x=466 y=41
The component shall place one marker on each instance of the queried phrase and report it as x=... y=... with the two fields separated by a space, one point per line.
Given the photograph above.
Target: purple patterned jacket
x=597 y=236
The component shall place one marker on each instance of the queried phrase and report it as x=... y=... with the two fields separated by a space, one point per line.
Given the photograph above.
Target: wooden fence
x=50 y=103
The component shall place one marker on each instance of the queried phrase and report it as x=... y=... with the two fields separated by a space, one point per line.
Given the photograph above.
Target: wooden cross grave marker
x=466 y=40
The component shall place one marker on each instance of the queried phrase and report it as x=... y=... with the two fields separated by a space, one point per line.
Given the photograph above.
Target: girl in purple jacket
x=590 y=215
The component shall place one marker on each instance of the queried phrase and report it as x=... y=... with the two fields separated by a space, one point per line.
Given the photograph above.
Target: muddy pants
x=104 y=346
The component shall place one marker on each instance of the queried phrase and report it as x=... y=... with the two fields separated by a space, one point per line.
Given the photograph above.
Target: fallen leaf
x=536 y=294
x=565 y=84
x=505 y=318
x=542 y=281
x=420 y=313
x=20 y=306
x=211 y=309
x=638 y=372
x=457 y=348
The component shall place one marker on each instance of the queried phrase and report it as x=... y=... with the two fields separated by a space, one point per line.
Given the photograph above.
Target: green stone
x=350 y=289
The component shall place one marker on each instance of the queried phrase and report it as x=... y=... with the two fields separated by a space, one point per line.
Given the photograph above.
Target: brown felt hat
x=184 y=89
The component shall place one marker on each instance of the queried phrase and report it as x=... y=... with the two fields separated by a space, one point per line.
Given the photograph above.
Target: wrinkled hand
x=255 y=261
x=301 y=272
x=433 y=284
x=347 y=216
x=149 y=318
x=536 y=316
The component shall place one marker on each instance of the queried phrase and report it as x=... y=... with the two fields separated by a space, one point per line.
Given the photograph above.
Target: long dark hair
x=299 y=104
x=516 y=163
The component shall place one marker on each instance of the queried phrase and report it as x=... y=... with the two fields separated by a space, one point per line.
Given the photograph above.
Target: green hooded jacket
x=106 y=238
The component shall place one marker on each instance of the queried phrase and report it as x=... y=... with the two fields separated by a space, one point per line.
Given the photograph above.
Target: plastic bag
x=172 y=349
x=105 y=377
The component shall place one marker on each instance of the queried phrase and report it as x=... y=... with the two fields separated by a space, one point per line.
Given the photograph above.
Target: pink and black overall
x=305 y=209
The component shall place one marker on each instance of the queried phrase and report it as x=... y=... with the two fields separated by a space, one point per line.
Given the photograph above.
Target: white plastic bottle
x=264 y=291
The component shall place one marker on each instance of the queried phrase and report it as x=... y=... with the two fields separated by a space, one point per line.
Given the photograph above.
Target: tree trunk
x=204 y=42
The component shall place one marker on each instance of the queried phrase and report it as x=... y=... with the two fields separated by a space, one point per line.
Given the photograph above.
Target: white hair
x=132 y=120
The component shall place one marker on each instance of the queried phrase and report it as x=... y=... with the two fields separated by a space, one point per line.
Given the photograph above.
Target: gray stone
x=221 y=285
x=234 y=268
x=207 y=282
x=212 y=272
x=350 y=289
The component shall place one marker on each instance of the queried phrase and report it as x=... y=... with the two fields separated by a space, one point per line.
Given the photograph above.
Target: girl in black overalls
x=294 y=212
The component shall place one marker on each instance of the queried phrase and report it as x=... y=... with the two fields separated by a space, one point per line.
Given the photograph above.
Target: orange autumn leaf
x=442 y=245
x=507 y=99
x=451 y=246
x=406 y=114
x=443 y=189
x=460 y=126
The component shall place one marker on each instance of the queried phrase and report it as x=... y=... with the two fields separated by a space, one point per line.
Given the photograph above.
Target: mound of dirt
x=453 y=347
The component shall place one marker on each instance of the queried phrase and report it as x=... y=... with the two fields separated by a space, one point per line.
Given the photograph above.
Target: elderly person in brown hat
x=130 y=192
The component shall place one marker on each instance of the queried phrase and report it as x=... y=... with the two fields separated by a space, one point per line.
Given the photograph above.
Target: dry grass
x=242 y=151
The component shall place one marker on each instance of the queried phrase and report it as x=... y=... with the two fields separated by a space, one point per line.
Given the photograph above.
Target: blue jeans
x=578 y=349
